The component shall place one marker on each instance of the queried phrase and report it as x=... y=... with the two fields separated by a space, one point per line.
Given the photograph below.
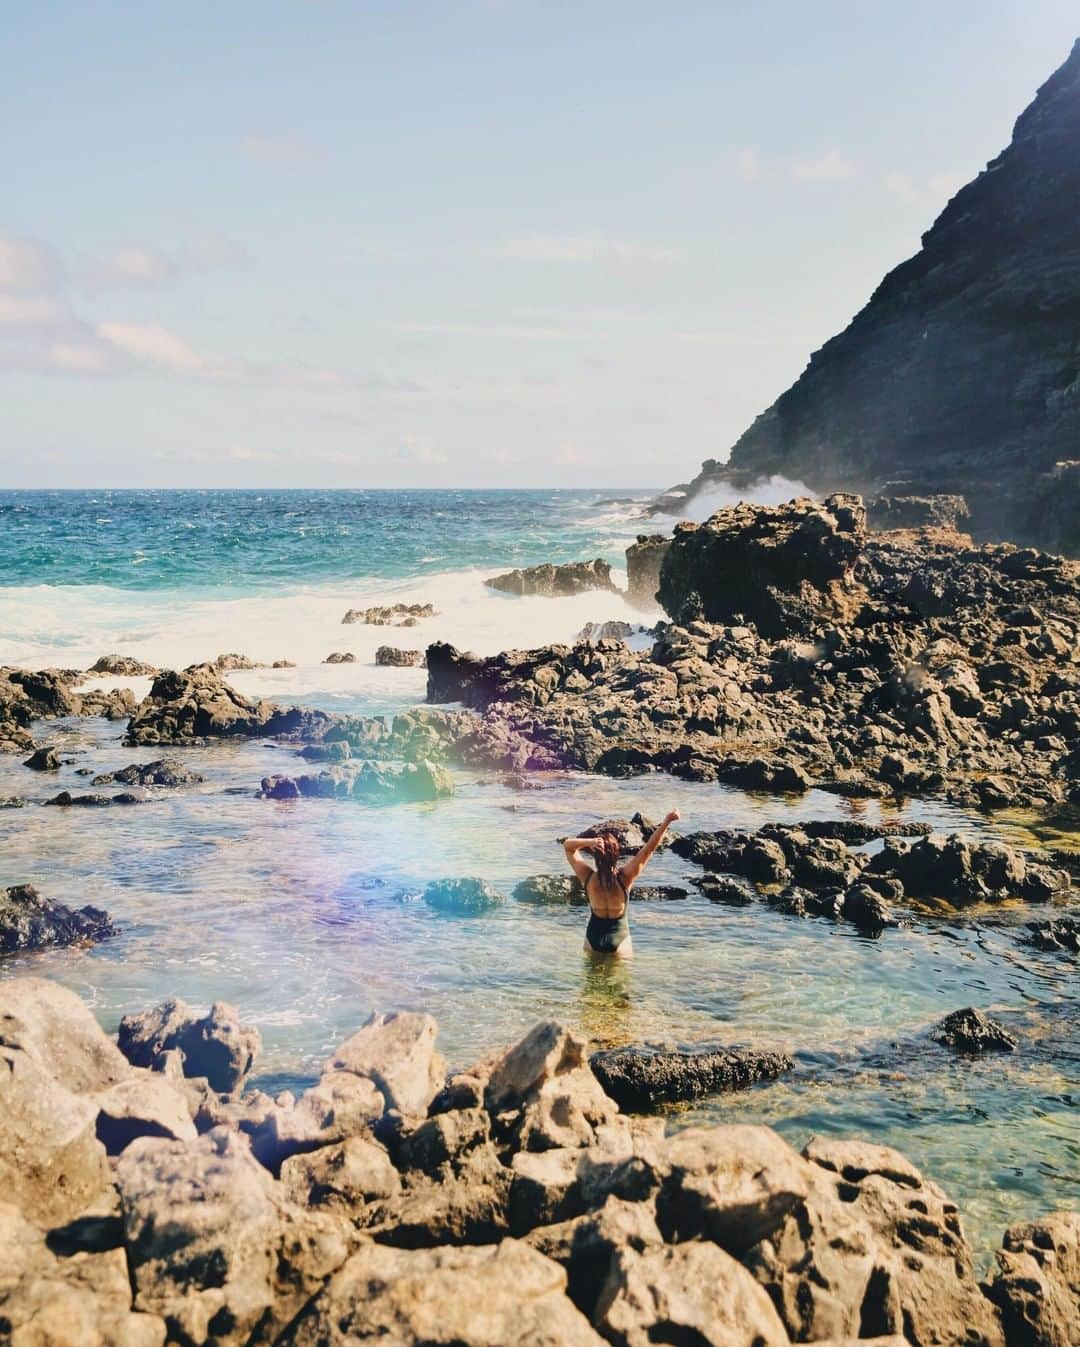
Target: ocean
x=306 y=915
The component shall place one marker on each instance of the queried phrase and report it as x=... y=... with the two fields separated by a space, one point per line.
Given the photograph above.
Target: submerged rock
x=551 y=889
x=1059 y=933
x=461 y=895
x=641 y=1078
x=550 y=581
x=216 y=1045
x=28 y=921
x=969 y=1030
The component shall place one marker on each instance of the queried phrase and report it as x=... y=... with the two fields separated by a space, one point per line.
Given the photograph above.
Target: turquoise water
x=257 y=540
x=307 y=915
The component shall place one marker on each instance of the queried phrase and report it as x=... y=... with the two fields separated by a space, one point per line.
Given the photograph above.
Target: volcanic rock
x=164 y=772
x=215 y=1045
x=971 y=1031
x=390 y=615
x=961 y=366
x=644 y=559
x=640 y=1078
x=124 y=666
x=783 y=568
x=555 y=581
x=391 y=656
x=43 y=760
x=195 y=704
x=29 y=921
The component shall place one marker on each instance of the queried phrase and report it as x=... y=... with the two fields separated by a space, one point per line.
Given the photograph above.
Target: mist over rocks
x=959 y=374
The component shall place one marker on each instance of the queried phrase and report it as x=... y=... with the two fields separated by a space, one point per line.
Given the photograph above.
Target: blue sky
x=458 y=242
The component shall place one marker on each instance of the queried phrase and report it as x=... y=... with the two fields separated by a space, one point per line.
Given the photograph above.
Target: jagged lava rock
x=644 y=559
x=784 y=568
x=640 y=1078
x=550 y=581
x=29 y=921
x=196 y=703
x=215 y=1045
x=970 y=1031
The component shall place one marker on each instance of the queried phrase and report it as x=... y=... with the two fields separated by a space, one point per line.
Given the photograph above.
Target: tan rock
x=213 y=1244
x=1037 y=1286
x=733 y=1185
x=687 y=1293
x=506 y=1295
x=81 y=1300
x=397 y=1052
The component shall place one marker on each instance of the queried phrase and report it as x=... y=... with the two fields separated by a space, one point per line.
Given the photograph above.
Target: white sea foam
x=72 y=626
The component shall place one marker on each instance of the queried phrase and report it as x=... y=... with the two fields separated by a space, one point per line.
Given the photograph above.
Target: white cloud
x=899 y=184
x=77 y=358
x=282 y=151
x=25 y=312
x=420 y=449
x=137 y=265
x=581 y=248
x=831 y=166
x=28 y=266
x=748 y=166
x=499 y=330
x=154 y=345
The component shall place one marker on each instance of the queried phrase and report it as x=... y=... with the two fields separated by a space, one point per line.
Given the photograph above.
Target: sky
x=386 y=243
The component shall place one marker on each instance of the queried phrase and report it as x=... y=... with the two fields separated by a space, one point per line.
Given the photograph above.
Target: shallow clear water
x=306 y=915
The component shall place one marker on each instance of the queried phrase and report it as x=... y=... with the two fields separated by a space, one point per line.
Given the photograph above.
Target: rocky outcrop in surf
x=960 y=373
x=550 y=581
x=507 y=1204
x=30 y=921
x=196 y=703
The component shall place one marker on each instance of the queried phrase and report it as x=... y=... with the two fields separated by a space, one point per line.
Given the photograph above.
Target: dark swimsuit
x=606 y=934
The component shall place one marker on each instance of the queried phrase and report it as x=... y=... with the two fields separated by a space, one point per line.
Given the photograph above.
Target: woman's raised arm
x=638 y=862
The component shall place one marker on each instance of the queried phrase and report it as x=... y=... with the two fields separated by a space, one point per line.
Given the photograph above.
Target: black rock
x=969 y=1030
x=43 y=760
x=165 y=772
x=29 y=921
x=1059 y=933
x=641 y=1078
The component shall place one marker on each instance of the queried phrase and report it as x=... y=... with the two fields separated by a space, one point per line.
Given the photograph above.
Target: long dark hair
x=605 y=851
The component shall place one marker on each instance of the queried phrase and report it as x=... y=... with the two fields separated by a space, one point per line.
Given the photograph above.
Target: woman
x=607 y=888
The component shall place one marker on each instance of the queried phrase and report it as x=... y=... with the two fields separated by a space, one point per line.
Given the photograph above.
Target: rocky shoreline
x=149 y=1198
